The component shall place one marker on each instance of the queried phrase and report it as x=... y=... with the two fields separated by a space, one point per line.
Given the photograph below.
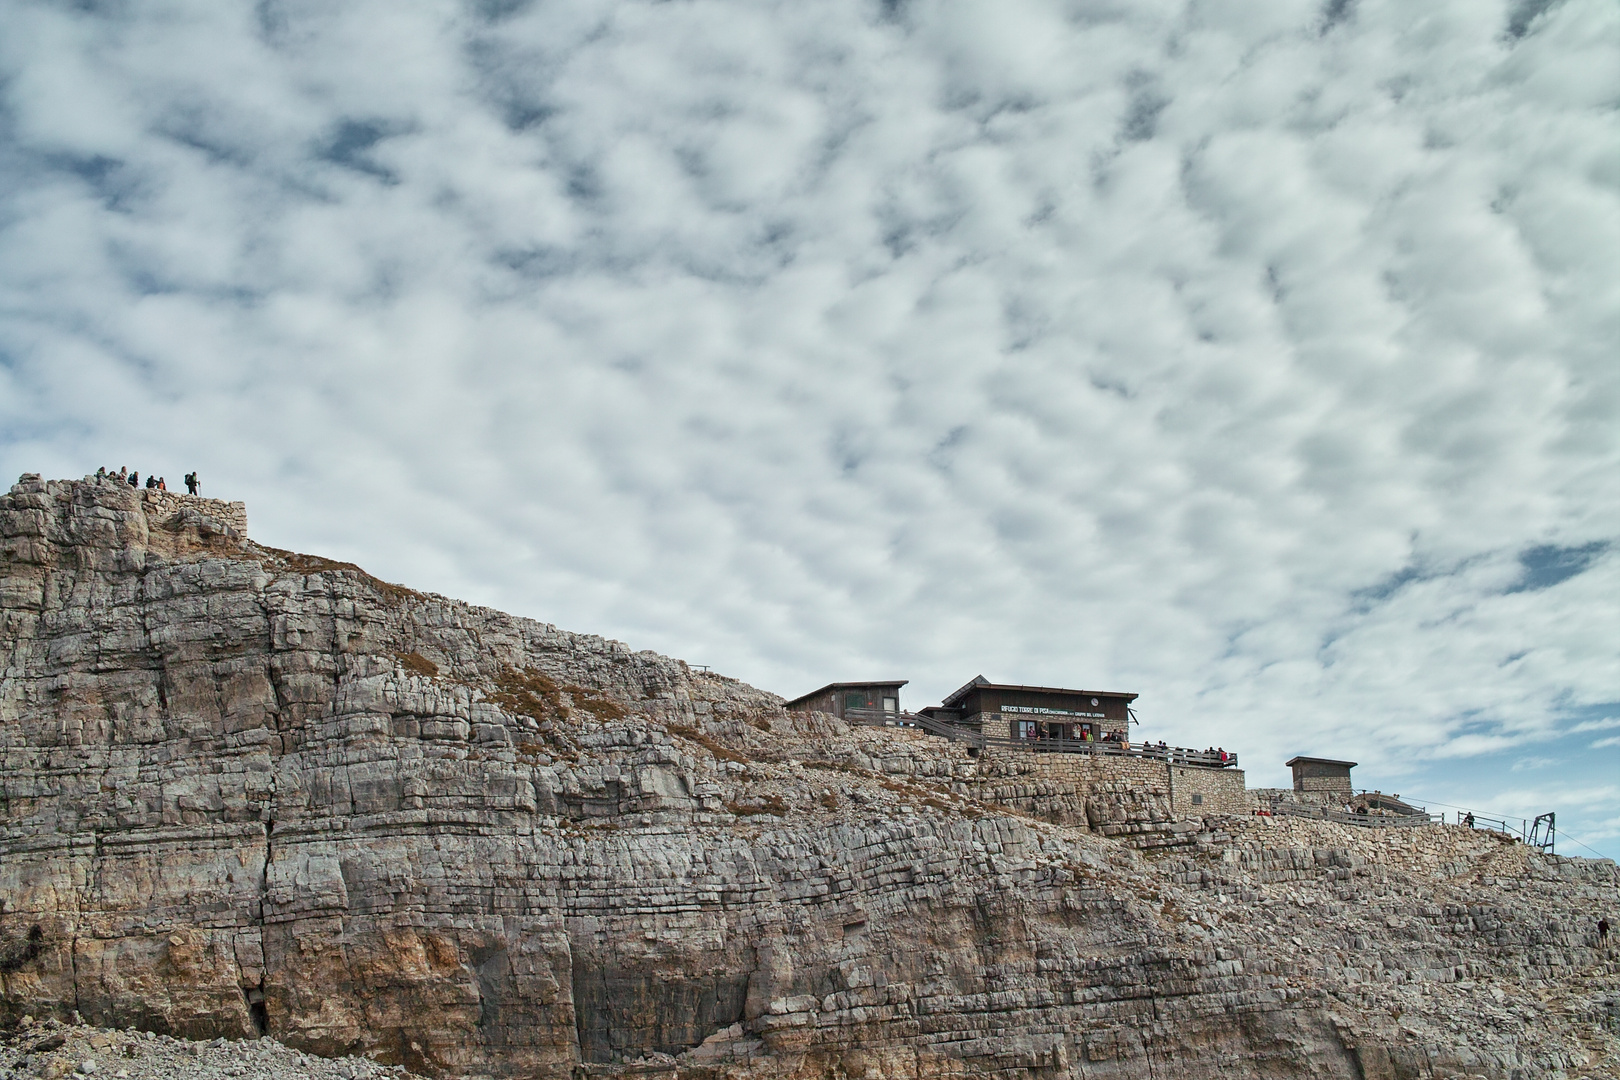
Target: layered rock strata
x=247 y=791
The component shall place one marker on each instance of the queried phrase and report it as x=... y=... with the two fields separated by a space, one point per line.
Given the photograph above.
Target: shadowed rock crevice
x=626 y=1013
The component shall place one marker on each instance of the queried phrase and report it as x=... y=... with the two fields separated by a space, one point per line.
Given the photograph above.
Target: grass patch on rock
x=724 y=753
x=417 y=664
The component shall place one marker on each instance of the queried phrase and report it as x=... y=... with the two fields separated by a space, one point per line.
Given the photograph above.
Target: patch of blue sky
x=1573 y=772
x=1548 y=564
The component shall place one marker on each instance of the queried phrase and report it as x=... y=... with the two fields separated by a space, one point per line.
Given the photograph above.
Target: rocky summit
x=251 y=793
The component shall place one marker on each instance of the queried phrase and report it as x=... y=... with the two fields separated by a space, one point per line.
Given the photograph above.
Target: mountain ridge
x=248 y=791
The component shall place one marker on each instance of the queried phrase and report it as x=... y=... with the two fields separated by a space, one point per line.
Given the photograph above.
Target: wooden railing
x=878 y=718
x=1369 y=820
x=1173 y=755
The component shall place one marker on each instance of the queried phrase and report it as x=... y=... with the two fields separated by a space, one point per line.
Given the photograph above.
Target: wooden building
x=1009 y=710
x=855 y=702
x=1321 y=774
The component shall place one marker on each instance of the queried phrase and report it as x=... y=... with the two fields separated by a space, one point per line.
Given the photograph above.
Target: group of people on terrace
x=1042 y=730
x=153 y=483
x=1181 y=754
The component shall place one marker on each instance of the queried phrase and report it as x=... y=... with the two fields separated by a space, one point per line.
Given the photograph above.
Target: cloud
x=1256 y=358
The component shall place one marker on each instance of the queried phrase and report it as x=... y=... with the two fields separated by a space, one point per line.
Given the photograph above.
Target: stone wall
x=1143 y=801
x=1146 y=802
x=1315 y=774
x=1197 y=792
x=163 y=506
x=1262 y=798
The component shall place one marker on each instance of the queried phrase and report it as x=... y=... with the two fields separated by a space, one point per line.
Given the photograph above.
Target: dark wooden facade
x=856 y=702
x=1037 y=712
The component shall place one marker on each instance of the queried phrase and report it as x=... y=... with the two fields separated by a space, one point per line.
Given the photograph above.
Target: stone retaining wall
x=1196 y=792
x=1262 y=798
x=1136 y=798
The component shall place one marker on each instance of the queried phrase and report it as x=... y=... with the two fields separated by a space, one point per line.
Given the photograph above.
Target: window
x=891 y=704
x=1198 y=800
x=857 y=700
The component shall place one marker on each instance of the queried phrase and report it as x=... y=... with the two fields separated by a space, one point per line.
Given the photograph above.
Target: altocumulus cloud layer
x=1257 y=357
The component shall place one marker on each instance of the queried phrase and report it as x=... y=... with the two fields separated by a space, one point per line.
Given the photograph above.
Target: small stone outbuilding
x=1322 y=774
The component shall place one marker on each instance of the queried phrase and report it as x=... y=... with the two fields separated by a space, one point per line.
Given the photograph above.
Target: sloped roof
x=1377 y=800
x=979 y=682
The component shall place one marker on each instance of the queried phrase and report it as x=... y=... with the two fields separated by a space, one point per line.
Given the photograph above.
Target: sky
x=1261 y=358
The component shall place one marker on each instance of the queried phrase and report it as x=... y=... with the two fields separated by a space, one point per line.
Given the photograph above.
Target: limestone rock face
x=248 y=791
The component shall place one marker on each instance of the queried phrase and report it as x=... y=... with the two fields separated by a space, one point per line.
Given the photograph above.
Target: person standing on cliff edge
x=192 y=483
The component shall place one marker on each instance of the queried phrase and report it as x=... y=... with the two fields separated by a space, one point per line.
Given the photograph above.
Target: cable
x=1469 y=809
x=1583 y=843
x=1562 y=835
x=1524 y=823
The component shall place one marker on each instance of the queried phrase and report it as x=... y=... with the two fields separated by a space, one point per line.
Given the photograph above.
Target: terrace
x=1170 y=755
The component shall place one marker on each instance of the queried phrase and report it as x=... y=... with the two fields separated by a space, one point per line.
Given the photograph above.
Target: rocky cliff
x=249 y=791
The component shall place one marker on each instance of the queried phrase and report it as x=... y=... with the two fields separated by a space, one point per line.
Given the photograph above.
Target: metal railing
x=1542 y=833
x=1173 y=755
